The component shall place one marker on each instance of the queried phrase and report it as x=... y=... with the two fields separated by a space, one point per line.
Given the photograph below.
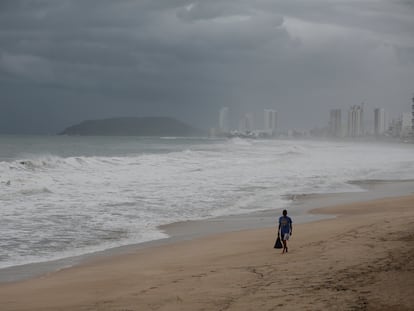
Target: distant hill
x=130 y=126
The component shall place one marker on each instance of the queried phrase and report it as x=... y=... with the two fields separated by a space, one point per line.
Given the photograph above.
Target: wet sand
x=361 y=260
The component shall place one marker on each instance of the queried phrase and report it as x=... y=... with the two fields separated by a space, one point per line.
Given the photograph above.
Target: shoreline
x=360 y=260
x=300 y=208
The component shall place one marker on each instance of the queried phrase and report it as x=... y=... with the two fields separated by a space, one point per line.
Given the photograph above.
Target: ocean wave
x=293 y=150
x=240 y=141
x=34 y=191
x=73 y=198
x=55 y=162
x=379 y=181
x=33 y=163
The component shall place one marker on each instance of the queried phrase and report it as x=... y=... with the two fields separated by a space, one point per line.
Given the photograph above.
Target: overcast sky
x=64 y=61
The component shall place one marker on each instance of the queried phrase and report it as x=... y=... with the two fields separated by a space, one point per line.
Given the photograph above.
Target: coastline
x=300 y=208
x=360 y=260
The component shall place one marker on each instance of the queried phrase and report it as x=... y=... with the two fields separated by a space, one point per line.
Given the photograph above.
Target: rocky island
x=133 y=126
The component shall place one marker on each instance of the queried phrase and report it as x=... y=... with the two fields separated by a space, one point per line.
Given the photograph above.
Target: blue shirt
x=285 y=222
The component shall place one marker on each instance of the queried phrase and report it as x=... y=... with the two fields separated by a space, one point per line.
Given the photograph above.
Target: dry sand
x=362 y=260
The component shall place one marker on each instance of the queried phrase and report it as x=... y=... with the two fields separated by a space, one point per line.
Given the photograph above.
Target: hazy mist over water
x=63 y=196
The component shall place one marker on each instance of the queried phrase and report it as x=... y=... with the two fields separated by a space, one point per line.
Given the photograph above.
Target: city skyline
x=358 y=122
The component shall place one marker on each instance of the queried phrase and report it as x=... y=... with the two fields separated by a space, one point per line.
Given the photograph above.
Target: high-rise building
x=270 y=121
x=412 y=117
x=401 y=127
x=379 y=121
x=406 y=124
x=224 y=120
x=356 y=121
x=246 y=123
x=335 y=123
x=394 y=127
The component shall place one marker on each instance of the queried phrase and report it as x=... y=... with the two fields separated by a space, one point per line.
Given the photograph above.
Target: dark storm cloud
x=70 y=60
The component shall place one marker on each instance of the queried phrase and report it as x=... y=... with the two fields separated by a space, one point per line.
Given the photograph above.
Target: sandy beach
x=361 y=260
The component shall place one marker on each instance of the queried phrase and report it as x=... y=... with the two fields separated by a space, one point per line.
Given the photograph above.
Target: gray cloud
x=69 y=60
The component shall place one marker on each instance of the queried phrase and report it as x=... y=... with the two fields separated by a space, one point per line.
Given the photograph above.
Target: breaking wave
x=55 y=205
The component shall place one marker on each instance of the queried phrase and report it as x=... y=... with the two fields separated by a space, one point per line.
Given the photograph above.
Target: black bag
x=278 y=243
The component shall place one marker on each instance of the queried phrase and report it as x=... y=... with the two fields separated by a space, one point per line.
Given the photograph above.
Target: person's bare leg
x=284 y=246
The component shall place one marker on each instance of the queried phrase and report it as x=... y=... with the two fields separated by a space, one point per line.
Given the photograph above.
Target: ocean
x=65 y=196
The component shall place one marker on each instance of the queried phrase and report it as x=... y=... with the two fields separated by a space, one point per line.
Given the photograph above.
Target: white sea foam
x=53 y=206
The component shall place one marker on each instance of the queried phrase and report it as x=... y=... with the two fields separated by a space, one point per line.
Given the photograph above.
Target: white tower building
x=246 y=123
x=335 y=123
x=406 y=124
x=412 y=117
x=224 y=120
x=379 y=121
x=270 y=121
x=356 y=121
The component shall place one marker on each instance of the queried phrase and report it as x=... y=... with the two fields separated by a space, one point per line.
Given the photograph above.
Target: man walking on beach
x=285 y=229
